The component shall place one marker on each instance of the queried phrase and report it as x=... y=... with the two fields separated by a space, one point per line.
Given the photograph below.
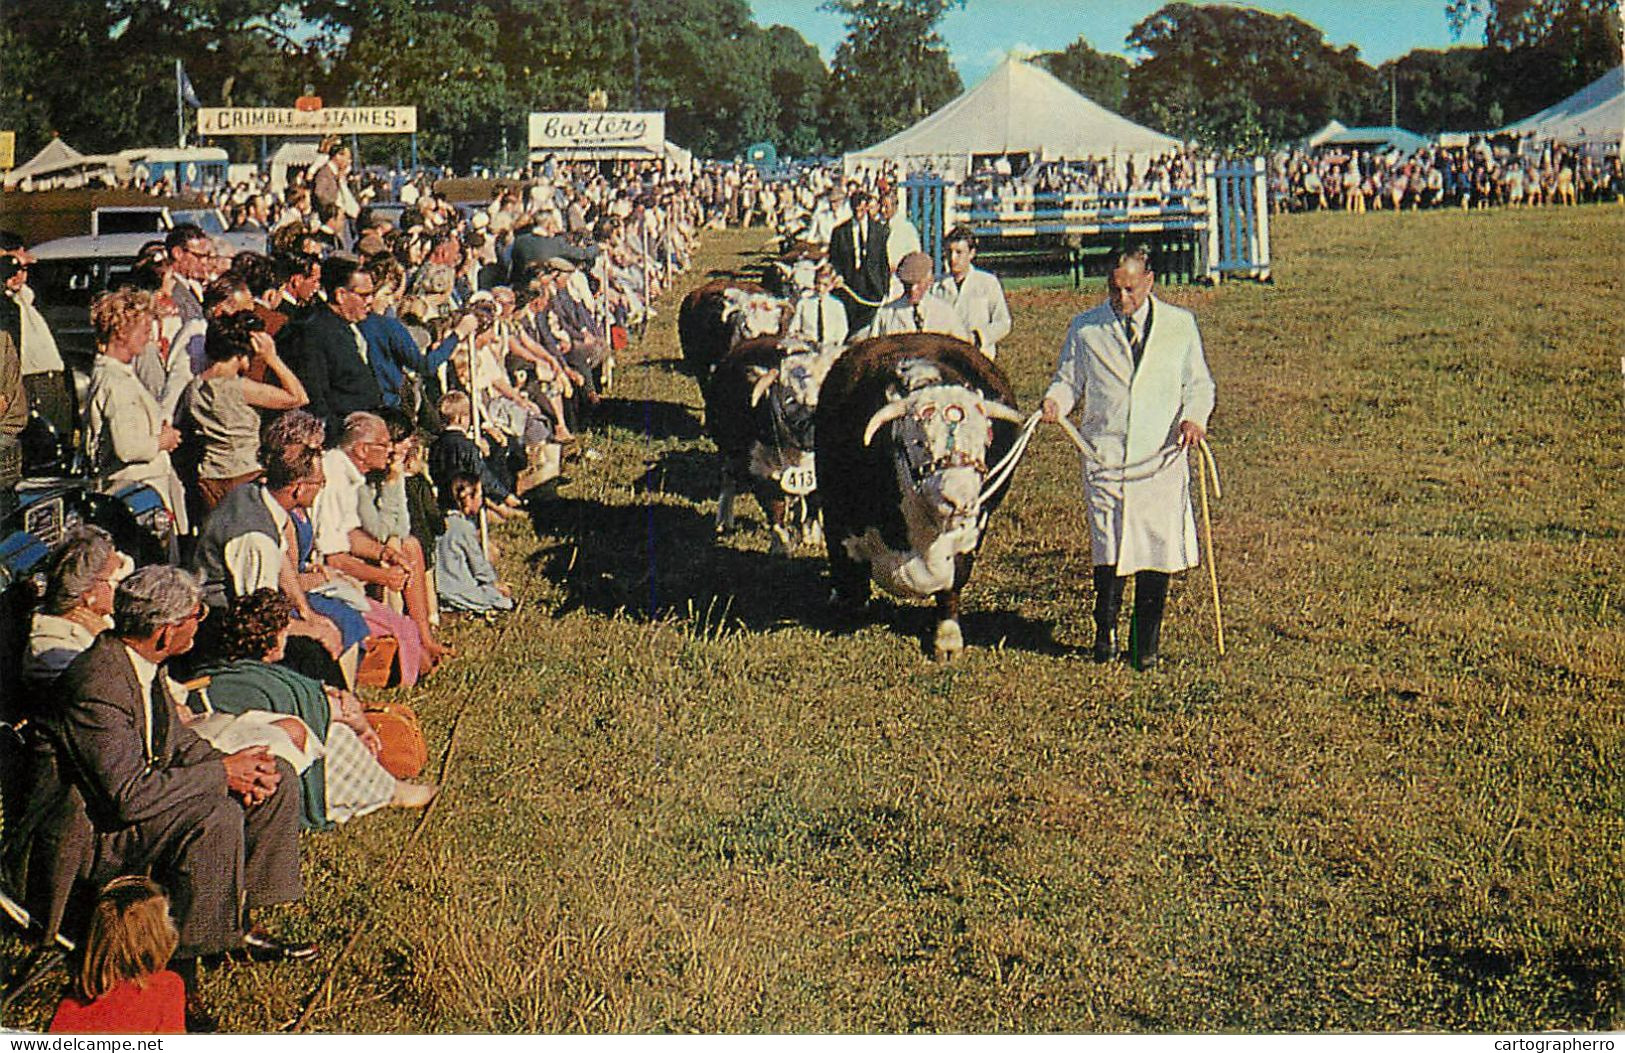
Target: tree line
x=100 y=72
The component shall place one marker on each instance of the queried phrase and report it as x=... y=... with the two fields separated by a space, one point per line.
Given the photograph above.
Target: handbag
x=403 y=753
x=377 y=668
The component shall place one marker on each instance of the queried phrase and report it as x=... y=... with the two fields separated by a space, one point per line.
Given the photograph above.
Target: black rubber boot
x=1150 y=596
x=1108 y=602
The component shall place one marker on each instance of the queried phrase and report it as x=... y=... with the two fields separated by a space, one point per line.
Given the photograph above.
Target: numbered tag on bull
x=798 y=481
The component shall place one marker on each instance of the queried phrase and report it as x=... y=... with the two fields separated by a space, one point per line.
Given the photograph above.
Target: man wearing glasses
x=220 y=831
x=329 y=354
x=191 y=255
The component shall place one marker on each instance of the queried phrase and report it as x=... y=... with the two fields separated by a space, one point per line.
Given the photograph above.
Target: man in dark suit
x=190 y=255
x=857 y=251
x=220 y=832
x=328 y=352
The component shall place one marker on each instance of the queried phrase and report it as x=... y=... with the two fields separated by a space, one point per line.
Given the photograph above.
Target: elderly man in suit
x=329 y=353
x=1135 y=364
x=857 y=251
x=219 y=831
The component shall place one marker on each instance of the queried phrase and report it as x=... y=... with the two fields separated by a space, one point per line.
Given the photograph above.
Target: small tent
x=1019 y=108
x=58 y=164
x=1594 y=115
x=1383 y=139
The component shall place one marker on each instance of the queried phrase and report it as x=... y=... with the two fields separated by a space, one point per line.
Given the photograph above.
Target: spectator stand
x=1218 y=229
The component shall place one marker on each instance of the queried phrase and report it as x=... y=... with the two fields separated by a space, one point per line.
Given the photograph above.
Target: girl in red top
x=123 y=987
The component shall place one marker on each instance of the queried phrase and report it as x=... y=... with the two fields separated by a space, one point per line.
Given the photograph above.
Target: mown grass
x=680 y=798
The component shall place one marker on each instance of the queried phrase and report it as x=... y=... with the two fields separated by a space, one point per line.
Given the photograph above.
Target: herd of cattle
x=888 y=442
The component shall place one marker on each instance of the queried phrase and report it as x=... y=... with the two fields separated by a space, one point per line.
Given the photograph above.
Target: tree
x=891 y=70
x=797 y=79
x=1540 y=51
x=1239 y=79
x=1103 y=78
x=1432 y=91
x=244 y=47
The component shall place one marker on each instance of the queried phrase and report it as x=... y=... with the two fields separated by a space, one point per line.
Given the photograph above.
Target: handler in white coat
x=975 y=294
x=1135 y=364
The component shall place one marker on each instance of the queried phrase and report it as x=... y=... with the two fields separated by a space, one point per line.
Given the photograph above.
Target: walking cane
x=474 y=418
x=1206 y=467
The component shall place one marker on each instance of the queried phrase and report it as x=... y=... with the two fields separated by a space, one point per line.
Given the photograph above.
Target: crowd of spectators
x=1475 y=176
x=330 y=425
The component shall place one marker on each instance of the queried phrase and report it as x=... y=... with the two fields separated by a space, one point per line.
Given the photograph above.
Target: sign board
x=8 y=151
x=599 y=134
x=330 y=120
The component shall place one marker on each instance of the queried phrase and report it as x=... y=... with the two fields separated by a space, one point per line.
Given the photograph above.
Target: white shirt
x=804 y=323
x=979 y=301
x=337 y=510
x=145 y=672
x=254 y=560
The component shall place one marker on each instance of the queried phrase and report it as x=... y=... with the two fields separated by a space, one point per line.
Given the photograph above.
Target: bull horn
x=883 y=416
x=999 y=411
x=763 y=382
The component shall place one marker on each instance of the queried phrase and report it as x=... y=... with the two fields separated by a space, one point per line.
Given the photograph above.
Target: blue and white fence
x=1223 y=222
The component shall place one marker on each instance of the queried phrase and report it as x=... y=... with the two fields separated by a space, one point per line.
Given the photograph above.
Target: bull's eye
x=954 y=414
x=927 y=412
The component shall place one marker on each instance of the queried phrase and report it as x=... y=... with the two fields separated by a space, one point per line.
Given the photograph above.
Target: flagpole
x=180 y=109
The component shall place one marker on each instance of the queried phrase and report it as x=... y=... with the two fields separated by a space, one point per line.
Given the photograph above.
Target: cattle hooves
x=950 y=642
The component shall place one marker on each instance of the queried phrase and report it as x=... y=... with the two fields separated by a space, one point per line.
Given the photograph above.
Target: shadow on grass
x=1584 y=985
x=657 y=560
x=653 y=561
x=695 y=475
x=651 y=418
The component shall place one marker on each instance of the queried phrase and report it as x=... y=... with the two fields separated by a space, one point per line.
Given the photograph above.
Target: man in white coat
x=975 y=294
x=1135 y=364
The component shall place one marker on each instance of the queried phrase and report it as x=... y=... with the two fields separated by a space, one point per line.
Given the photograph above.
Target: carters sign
x=600 y=133
x=357 y=120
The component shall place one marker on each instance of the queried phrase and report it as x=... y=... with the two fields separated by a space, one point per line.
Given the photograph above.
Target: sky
x=980 y=34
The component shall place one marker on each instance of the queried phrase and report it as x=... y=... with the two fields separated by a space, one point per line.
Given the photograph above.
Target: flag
x=188 y=93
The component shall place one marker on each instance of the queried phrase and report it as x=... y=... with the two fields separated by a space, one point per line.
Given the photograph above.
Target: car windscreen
x=207 y=218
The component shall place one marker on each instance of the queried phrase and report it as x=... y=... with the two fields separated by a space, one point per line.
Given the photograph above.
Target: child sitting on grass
x=123 y=987
x=466 y=579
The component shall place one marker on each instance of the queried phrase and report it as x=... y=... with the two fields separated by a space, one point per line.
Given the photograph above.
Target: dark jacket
x=323 y=354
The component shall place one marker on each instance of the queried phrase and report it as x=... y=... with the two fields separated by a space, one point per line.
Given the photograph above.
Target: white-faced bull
x=907 y=428
x=759 y=410
x=720 y=314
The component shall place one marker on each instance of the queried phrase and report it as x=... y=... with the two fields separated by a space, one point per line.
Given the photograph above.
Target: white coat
x=981 y=306
x=1130 y=414
x=122 y=421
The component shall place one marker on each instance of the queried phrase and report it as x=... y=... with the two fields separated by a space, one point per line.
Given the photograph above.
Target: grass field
x=677 y=798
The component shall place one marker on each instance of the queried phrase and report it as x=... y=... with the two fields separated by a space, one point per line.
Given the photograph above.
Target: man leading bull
x=1135 y=364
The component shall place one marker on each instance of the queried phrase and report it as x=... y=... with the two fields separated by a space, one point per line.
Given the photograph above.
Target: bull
x=907 y=428
x=718 y=315
x=759 y=410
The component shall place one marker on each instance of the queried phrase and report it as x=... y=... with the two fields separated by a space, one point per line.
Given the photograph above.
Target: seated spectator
x=391 y=349
x=345 y=781
x=459 y=449
x=222 y=403
x=346 y=547
x=246 y=544
x=328 y=352
x=124 y=986
x=127 y=437
x=78 y=604
x=466 y=578
x=219 y=831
